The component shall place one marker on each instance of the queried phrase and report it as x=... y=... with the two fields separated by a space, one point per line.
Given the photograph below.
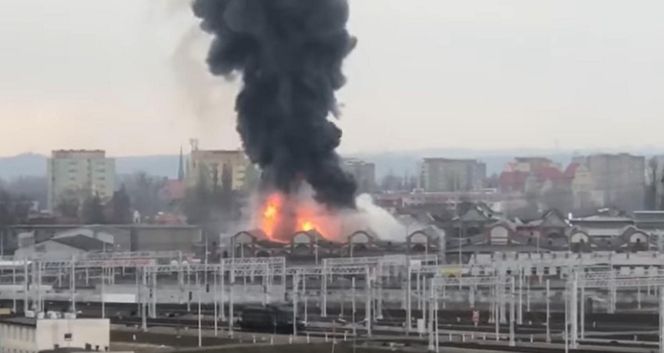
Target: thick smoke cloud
x=289 y=53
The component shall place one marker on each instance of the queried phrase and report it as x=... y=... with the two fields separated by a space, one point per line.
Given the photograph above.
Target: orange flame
x=281 y=217
x=270 y=219
x=307 y=226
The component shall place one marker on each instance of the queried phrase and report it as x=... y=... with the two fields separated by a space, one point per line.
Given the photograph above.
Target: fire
x=307 y=226
x=270 y=211
x=282 y=216
x=270 y=219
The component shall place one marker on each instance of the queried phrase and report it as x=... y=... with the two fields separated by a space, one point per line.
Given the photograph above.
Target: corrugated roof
x=83 y=242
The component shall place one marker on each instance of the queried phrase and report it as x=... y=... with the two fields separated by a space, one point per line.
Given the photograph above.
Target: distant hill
x=406 y=162
x=22 y=165
x=396 y=162
x=35 y=165
x=164 y=165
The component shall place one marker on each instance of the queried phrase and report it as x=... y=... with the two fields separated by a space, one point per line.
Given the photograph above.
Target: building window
x=68 y=337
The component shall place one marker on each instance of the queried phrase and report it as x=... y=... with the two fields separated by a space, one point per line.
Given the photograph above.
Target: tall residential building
x=443 y=174
x=363 y=172
x=79 y=173
x=618 y=180
x=219 y=167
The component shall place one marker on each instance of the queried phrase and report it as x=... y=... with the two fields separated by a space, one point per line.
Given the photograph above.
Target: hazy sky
x=128 y=76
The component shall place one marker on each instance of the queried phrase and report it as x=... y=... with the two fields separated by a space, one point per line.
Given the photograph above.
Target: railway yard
x=395 y=303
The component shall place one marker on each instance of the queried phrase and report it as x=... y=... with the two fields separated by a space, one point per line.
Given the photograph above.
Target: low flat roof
x=105 y=226
x=31 y=321
x=20 y=321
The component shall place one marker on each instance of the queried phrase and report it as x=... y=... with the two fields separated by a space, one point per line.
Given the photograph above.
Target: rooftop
x=602 y=218
x=68 y=153
x=533 y=159
x=104 y=226
x=79 y=150
x=83 y=242
x=31 y=321
x=217 y=152
x=20 y=321
x=442 y=159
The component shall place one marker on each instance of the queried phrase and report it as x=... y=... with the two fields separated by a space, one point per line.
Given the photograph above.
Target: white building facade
x=30 y=335
x=73 y=173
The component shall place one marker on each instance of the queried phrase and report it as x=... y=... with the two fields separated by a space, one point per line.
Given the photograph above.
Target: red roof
x=173 y=190
x=516 y=180
x=512 y=180
x=570 y=172
x=548 y=173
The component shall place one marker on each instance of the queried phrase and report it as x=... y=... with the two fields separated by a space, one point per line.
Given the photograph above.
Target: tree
x=392 y=182
x=68 y=204
x=654 y=184
x=143 y=190
x=493 y=181
x=225 y=196
x=197 y=204
x=121 y=206
x=92 y=211
x=212 y=205
x=13 y=209
x=558 y=197
x=34 y=188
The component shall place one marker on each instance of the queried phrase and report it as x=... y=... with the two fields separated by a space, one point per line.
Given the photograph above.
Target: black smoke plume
x=289 y=53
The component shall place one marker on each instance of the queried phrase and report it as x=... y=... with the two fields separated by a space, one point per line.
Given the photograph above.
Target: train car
x=270 y=318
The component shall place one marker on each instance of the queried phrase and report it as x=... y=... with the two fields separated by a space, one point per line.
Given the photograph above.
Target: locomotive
x=269 y=318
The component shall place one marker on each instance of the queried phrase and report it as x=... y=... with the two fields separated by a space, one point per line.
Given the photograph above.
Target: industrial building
x=32 y=335
x=65 y=244
x=124 y=237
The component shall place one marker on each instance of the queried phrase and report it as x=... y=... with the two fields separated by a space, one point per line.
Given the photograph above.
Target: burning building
x=289 y=54
x=282 y=215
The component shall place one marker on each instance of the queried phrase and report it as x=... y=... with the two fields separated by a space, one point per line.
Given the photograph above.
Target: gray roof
x=21 y=321
x=83 y=242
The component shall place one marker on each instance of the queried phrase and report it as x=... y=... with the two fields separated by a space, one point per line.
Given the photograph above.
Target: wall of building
x=17 y=338
x=582 y=189
x=619 y=178
x=441 y=174
x=212 y=164
x=364 y=174
x=530 y=164
x=166 y=239
x=134 y=237
x=79 y=172
x=48 y=249
x=95 y=332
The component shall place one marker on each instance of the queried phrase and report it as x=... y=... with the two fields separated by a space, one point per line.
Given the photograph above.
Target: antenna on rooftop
x=194 y=144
